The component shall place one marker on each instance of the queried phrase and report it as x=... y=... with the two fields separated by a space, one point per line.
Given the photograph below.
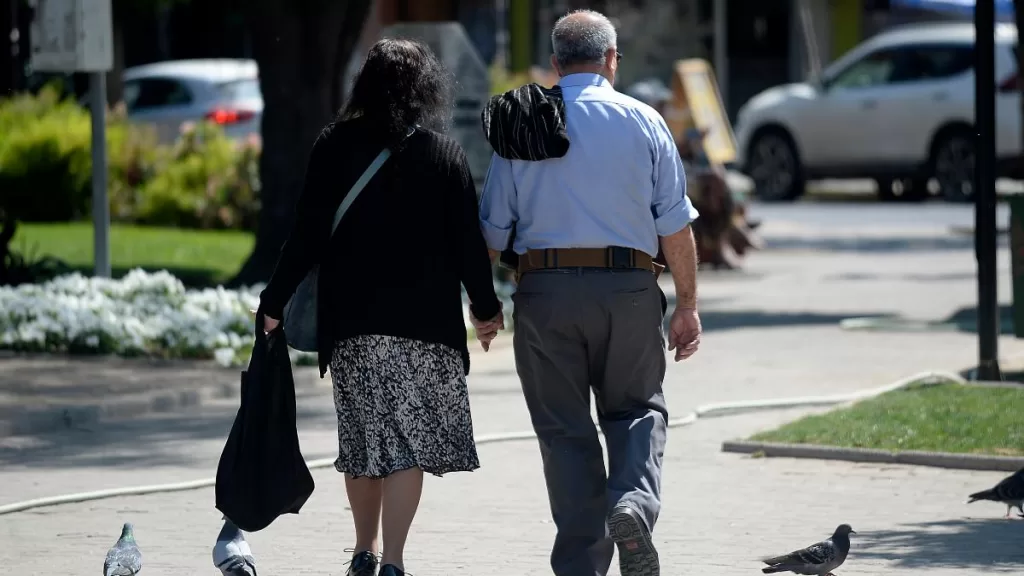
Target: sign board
x=452 y=46
x=72 y=36
x=697 y=104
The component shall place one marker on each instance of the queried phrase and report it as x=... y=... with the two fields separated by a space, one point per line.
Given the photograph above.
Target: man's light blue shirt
x=620 y=184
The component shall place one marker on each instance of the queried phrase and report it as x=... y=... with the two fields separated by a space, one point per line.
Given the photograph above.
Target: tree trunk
x=302 y=47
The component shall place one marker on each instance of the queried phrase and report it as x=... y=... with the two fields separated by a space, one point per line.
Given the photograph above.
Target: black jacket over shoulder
x=401 y=252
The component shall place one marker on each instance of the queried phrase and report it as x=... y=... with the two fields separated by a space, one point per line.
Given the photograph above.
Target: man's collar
x=584 y=79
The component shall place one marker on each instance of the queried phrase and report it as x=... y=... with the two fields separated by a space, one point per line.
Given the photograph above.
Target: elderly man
x=588 y=310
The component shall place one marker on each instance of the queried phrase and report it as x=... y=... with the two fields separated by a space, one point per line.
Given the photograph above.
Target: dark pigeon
x=816 y=560
x=1010 y=492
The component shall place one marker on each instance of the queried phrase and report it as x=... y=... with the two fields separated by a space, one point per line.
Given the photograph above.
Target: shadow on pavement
x=866 y=244
x=966 y=319
x=151 y=440
x=969 y=543
x=920 y=278
x=712 y=320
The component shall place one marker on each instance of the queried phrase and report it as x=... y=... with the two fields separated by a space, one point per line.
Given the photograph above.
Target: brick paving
x=771 y=332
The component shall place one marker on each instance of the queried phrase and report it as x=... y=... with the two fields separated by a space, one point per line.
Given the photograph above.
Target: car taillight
x=1011 y=84
x=227 y=116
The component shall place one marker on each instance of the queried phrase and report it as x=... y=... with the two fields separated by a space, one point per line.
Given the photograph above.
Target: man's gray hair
x=582 y=37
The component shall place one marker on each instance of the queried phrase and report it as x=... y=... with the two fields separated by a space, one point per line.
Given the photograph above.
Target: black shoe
x=637 y=556
x=390 y=570
x=363 y=564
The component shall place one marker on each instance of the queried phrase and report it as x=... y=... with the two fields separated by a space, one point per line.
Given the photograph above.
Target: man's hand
x=684 y=332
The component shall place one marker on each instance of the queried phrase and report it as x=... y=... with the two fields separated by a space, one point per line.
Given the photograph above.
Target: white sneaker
x=231 y=554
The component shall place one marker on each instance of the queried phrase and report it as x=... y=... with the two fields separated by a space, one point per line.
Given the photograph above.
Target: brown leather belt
x=613 y=258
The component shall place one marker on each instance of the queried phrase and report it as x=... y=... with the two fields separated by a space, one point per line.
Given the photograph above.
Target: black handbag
x=299 y=322
x=262 y=474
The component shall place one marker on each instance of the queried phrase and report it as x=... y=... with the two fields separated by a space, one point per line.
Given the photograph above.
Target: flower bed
x=142 y=314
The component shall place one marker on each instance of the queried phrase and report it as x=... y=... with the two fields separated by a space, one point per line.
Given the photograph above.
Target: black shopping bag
x=261 y=474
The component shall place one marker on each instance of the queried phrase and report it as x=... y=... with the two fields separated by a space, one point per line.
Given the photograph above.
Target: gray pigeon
x=124 y=558
x=231 y=553
x=816 y=560
x=1010 y=492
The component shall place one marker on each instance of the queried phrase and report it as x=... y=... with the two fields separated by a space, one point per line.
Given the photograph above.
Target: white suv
x=898 y=108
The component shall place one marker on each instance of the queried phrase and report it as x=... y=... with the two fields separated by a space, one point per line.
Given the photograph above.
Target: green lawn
x=942 y=418
x=198 y=257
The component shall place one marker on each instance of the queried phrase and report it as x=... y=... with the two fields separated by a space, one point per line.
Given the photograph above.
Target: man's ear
x=554 y=65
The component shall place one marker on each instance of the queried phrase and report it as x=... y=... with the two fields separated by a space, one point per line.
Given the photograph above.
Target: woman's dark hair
x=401 y=84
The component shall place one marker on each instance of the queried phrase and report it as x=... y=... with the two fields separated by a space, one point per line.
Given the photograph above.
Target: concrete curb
x=910 y=457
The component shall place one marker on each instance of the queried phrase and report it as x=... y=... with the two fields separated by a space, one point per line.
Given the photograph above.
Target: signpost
x=77 y=36
x=985 y=190
x=697 y=104
x=452 y=46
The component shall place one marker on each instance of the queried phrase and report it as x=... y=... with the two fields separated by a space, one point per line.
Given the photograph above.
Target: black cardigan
x=406 y=245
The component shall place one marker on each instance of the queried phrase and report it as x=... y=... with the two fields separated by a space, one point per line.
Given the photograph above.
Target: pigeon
x=1010 y=492
x=124 y=557
x=231 y=554
x=816 y=560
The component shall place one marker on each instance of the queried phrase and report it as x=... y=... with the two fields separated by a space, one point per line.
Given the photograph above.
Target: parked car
x=167 y=94
x=898 y=108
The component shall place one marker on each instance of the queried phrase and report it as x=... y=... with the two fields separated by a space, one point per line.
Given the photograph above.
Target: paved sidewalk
x=771 y=332
x=721 y=513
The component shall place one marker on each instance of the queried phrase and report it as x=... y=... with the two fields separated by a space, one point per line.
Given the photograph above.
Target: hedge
x=204 y=180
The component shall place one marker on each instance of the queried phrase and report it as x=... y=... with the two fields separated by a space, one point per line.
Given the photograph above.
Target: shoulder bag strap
x=353 y=193
x=368 y=174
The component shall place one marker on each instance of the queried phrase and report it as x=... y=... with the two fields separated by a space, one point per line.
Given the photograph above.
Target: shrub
x=208 y=182
x=203 y=181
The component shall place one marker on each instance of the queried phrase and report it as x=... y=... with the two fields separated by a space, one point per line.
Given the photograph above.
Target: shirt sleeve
x=671 y=207
x=477 y=275
x=498 y=204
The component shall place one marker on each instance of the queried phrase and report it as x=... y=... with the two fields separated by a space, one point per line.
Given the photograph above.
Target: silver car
x=168 y=94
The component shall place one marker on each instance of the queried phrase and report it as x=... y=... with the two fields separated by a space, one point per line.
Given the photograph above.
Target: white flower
x=224 y=356
x=141 y=313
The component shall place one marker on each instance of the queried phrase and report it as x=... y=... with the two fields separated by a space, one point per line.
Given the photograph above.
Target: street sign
x=72 y=36
x=452 y=46
x=77 y=36
x=696 y=103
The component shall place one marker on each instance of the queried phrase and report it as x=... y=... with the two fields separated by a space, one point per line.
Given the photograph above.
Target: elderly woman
x=396 y=348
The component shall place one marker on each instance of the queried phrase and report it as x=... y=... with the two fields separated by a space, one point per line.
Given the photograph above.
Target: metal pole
x=100 y=203
x=720 y=49
x=985 y=190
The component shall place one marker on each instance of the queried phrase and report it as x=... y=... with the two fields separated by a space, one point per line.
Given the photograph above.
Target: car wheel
x=774 y=166
x=953 y=166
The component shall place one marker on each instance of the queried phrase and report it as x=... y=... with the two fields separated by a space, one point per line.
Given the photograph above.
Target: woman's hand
x=269 y=324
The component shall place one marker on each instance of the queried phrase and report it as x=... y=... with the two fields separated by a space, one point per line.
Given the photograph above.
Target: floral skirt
x=401 y=404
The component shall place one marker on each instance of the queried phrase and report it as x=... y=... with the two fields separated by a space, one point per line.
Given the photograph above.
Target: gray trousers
x=579 y=331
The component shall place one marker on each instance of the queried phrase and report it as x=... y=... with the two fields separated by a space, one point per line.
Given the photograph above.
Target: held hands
x=487 y=330
x=684 y=332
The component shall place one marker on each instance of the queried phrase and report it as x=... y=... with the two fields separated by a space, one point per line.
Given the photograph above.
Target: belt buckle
x=620 y=258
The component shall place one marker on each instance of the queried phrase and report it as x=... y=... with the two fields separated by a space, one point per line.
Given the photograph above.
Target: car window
x=248 y=89
x=149 y=93
x=906 y=64
x=932 y=62
x=872 y=70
